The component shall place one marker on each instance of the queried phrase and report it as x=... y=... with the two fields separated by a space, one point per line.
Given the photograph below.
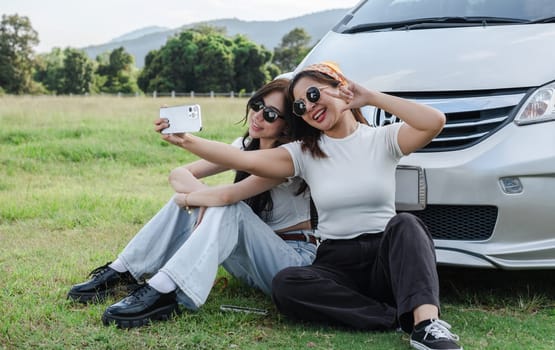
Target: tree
x=68 y=71
x=202 y=59
x=77 y=72
x=251 y=65
x=148 y=75
x=117 y=72
x=294 y=46
x=49 y=70
x=214 y=69
x=17 y=38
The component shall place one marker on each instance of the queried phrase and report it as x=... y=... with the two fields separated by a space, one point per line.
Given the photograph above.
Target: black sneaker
x=104 y=281
x=434 y=334
x=143 y=305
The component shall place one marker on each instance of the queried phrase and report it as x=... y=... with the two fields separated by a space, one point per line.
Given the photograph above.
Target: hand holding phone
x=182 y=118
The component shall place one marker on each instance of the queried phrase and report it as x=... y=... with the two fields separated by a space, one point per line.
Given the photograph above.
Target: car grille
x=469 y=119
x=457 y=222
x=463 y=129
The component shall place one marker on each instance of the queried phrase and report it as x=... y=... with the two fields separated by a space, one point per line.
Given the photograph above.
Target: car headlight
x=539 y=107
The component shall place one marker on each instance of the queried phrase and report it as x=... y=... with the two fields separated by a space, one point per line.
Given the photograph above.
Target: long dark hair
x=303 y=131
x=262 y=203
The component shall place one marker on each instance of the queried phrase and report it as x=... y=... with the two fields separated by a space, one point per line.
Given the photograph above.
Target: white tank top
x=288 y=208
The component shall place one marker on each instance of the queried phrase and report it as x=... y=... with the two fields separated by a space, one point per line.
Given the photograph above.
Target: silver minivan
x=485 y=186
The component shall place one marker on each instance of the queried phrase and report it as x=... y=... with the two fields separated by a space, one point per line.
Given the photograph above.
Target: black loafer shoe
x=104 y=281
x=142 y=306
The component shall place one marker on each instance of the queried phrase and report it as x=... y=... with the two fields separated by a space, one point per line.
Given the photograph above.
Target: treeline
x=201 y=59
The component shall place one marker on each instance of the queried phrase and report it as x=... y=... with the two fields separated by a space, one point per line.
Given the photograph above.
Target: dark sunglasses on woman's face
x=312 y=95
x=270 y=114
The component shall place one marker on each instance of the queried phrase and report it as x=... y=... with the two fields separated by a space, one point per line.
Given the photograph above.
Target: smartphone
x=182 y=118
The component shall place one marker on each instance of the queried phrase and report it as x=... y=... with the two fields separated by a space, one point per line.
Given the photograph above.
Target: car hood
x=454 y=59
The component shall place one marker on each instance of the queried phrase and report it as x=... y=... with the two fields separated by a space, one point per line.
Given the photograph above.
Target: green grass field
x=81 y=175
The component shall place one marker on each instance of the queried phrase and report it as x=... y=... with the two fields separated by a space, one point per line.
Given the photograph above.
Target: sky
x=77 y=23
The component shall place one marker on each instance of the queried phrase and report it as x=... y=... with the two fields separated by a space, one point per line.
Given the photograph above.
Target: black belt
x=297 y=237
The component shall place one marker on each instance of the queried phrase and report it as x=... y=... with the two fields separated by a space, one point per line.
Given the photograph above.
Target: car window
x=386 y=11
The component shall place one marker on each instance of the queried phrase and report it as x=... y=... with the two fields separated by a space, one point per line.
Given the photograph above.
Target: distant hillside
x=267 y=33
x=140 y=33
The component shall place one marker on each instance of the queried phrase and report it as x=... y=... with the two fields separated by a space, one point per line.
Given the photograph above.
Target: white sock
x=162 y=283
x=118 y=266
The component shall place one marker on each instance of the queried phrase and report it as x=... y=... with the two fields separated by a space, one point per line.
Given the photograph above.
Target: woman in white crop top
x=254 y=228
x=374 y=269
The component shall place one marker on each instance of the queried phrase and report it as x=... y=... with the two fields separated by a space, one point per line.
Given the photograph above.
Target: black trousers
x=370 y=282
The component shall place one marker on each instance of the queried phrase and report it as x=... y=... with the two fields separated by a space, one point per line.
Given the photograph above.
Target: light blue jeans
x=232 y=236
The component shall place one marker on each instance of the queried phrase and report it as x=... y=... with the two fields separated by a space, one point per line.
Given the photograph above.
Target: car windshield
x=373 y=15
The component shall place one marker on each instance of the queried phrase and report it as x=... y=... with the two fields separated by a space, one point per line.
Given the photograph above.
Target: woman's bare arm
x=421 y=123
x=226 y=194
x=274 y=163
x=186 y=178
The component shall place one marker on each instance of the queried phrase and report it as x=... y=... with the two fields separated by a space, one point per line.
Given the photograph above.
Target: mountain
x=267 y=33
x=139 y=33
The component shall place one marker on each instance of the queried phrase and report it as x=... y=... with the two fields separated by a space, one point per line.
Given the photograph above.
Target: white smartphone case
x=182 y=118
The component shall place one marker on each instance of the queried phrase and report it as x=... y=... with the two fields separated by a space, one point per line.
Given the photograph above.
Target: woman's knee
x=404 y=219
x=291 y=281
x=409 y=225
x=282 y=279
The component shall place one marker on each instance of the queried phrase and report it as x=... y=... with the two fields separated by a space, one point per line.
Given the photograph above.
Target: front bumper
x=523 y=234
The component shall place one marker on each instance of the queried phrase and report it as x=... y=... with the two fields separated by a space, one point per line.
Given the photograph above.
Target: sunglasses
x=312 y=95
x=270 y=114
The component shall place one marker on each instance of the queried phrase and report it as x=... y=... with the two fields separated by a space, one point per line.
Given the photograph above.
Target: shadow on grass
x=526 y=290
